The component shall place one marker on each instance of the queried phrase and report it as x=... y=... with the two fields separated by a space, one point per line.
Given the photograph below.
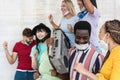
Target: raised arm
x=50 y=17
x=11 y=58
x=89 y=6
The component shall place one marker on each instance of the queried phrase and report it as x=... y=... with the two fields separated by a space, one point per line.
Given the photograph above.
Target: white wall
x=15 y=15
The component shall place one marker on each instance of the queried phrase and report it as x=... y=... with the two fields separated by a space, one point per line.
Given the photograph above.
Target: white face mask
x=66 y=13
x=83 y=9
x=103 y=45
x=82 y=46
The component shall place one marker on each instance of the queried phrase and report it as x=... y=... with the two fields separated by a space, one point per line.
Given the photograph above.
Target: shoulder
x=115 y=53
x=71 y=50
x=75 y=17
x=33 y=47
x=96 y=12
x=17 y=44
x=98 y=55
x=34 y=42
x=32 y=51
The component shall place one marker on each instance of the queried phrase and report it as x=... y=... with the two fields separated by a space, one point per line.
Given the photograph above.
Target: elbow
x=91 y=11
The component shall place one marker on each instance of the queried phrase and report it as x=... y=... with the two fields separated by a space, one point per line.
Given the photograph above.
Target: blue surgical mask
x=82 y=13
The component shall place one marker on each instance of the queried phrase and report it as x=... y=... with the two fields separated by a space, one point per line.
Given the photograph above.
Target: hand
x=69 y=26
x=5 y=45
x=80 y=68
x=50 y=17
x=36 y=75
x=50 y=41
x=53 y=72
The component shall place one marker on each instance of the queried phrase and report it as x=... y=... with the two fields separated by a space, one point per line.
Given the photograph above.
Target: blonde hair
x=70 y=6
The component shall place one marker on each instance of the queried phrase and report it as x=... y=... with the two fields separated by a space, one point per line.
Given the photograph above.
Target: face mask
x=27 y=43
x=82 y=12
x=44 y=38
x=83 y=9
x=41 y=38
x=67 y=12
x=103 y=45
x=82 y=46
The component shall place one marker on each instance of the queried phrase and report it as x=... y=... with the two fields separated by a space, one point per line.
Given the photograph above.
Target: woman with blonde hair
x=68 y=20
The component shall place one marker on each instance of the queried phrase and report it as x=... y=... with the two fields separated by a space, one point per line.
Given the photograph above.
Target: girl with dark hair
x=39 y=53
x=110 y=36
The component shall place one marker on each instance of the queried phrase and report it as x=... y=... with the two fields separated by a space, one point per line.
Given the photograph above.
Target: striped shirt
x=90 y=59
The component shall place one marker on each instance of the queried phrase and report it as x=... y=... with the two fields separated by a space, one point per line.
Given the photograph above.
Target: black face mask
x=43 y=39
x=27 y=43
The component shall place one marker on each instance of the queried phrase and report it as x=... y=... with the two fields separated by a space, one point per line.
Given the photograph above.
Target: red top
x=23 y=51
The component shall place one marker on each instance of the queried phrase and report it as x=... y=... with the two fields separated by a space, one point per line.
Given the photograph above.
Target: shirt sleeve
x=98 y=63
x=115 y=75
x=100 y=76
x=115 y=71
x=32 y=51
x=96 y=12
x=15 y=48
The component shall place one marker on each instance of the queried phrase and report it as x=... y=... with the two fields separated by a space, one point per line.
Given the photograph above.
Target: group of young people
x=86 y=61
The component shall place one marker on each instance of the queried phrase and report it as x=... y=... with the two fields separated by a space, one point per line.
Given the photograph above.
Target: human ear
x=107 y=35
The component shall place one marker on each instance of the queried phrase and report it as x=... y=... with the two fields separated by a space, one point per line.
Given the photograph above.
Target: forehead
x=102 y=28
x=29 y=37
x=41 y=30
x=63 y=3
x=79 y=0
x=82 y=32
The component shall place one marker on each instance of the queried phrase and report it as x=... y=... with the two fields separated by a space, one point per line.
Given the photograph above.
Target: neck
x=69 y=16
x=23 y=41
x=112 y=46
x=43 y=42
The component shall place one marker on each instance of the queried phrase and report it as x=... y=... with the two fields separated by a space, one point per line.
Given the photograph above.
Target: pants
x=19 y=75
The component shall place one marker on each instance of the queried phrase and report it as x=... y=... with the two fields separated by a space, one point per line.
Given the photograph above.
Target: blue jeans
x=19 y=75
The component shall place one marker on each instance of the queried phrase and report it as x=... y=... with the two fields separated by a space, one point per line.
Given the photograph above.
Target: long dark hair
x=41 y=27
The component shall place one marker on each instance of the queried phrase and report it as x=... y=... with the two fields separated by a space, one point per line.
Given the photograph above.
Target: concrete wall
x=15 y=15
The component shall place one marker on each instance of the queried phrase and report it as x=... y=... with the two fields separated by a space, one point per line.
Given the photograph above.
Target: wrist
x=51 y=21
x=6 y=50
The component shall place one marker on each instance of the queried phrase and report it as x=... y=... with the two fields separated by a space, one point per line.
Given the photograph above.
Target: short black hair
x=82 y=25
x=27 y=32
